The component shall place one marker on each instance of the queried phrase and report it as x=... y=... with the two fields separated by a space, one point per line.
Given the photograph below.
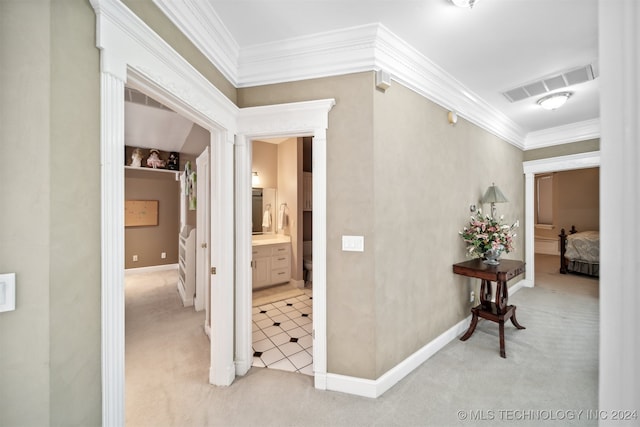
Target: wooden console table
x=498 y=311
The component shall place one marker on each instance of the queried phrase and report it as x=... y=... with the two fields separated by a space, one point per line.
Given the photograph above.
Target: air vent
x=551 y=83
x=137 y=97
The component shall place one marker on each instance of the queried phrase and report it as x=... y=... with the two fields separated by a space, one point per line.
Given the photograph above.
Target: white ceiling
x=485 y=51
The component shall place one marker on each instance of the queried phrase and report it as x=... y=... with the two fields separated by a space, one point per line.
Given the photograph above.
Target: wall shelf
x=145 y=169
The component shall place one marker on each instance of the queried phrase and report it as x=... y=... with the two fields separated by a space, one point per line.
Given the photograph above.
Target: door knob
x=203 y=246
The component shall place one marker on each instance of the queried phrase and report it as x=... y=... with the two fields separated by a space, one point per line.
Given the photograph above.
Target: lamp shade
x=493 y=195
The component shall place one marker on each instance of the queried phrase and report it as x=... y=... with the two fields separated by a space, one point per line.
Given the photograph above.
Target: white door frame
x=533 y=167
x=130 y=52
x=285 y=120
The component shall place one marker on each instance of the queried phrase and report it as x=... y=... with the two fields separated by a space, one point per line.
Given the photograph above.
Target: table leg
x=502 y=296
x=515 y=321
x=501 y=327
x=472 y=327
x=486 y=292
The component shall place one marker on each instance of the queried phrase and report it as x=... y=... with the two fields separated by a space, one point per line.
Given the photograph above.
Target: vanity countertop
x=269 y=239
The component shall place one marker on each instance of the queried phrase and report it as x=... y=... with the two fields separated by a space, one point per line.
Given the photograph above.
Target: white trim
x=619 y=47
x=309 y=118
x=532 y=167
x=581 y=131
x=149 y=269
x=570 y=162
x=112 y=244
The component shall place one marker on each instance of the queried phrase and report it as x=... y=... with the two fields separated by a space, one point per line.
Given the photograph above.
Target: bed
x=580 y=252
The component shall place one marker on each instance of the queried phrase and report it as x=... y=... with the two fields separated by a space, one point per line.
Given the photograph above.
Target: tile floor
x=282 y=334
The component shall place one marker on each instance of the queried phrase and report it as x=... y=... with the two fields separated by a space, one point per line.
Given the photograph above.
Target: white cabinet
x=271 y=264
x=187 y=265
x=307 y=191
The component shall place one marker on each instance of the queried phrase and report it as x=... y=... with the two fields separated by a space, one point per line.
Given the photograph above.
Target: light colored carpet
x=550 y=370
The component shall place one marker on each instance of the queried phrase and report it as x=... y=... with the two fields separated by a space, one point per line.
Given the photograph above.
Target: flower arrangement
x=485 y=233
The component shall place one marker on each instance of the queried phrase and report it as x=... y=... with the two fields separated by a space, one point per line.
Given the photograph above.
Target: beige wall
x=265 y=162
x=562 y=150
x=402 y=177
x=149 y=241
x=50 y=221
x=426 y=174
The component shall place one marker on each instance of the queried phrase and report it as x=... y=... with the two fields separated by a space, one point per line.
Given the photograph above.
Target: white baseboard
x=151 y=268
x=376 y=388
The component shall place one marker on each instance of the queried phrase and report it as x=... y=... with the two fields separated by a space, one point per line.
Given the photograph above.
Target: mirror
x=263 y=211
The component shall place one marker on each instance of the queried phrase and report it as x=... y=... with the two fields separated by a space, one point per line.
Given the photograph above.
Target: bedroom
x=564 y=200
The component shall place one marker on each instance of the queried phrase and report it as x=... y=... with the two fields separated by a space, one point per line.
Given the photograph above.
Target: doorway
x=282 y=312
x=286 y=120
x=543 y=166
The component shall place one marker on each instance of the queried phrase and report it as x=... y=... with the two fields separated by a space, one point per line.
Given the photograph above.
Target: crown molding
x=343 y=51
x=368 y=47
x=574 y=132
x=202 y=25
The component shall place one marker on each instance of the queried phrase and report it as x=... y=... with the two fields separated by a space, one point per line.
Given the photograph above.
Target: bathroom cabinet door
x=261 y=272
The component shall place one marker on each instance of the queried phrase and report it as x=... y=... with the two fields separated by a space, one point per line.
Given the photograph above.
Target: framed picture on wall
x=140 y=213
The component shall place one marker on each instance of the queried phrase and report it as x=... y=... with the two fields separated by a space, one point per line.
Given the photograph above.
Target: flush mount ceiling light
x=554 y=101
x=464 y=3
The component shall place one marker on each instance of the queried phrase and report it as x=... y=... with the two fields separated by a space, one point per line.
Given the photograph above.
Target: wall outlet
x=472 y=296
x=135 y=258
x=163 y=255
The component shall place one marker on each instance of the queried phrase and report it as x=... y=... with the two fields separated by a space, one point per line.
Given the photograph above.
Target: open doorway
x=282 y=293
x=568 y=199
x=547 y=167
x=165 y=208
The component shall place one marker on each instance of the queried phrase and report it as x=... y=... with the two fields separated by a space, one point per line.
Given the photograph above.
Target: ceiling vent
x=551 y=83
x=137 y=97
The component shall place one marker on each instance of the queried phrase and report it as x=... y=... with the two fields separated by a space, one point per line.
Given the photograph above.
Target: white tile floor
x=282 y=334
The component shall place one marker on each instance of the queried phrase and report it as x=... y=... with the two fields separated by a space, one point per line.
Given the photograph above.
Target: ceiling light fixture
x=554 y=101
x=464 y=3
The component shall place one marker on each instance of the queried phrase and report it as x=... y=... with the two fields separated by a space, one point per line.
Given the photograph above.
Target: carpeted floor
x=549 y=376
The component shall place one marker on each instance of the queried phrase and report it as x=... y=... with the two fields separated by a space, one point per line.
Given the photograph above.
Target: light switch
x=353 y=243
x=7 y=292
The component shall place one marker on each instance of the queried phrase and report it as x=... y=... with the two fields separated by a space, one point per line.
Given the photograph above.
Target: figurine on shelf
x=136 y=158
x=174 y=161
x=154 y=160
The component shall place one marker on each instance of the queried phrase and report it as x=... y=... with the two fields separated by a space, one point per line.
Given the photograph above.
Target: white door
x=202 y=235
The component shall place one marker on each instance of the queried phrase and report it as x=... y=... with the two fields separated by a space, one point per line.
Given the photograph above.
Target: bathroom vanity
x=271 y=260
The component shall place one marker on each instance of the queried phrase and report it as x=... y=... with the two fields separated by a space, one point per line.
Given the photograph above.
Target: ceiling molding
x=202 y=25
x=363 y=48
x=344 y=51
x=574 y=132
x=562 y=163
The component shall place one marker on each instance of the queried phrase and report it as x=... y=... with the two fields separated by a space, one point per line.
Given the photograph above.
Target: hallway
x=551 y=366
